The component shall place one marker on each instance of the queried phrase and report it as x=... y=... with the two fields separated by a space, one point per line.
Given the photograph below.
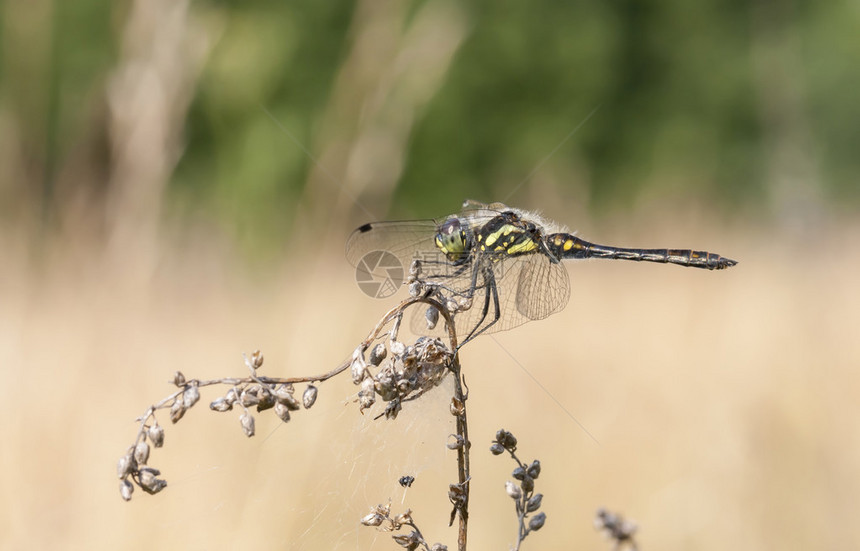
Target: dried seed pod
x=537 y=521
x=309 y=396
x=358 y=370
x=156 y=435
x=126 y=465
x=528 y=484
x=372 y=519
x=247 y=421
x=282 y=411
x=457 y=406
x=513 y=490
x=457 y=443
x=404 y=517
x=177 y=410
x=267 y=399
x=232 y=396
x=126 y=488
x=284 y=395
x=397 y=348
x=534 y=503
x=257 y=359
x=439 y=547
x=147 y=478
x=367 y=395
x=179 y=379
x=378 y=354
x=407 y=541
x=519 y=473
x=220 y=404
x=141 y=452
x=432 y=317
x=497 y=449
x=249 y=397
x=190 y=396
x=415 y=288
x=534 y=469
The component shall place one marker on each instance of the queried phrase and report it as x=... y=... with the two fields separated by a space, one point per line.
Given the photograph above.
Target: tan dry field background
x=724 y=405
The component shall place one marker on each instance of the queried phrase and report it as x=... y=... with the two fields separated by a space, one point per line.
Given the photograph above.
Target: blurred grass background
x=177 y=180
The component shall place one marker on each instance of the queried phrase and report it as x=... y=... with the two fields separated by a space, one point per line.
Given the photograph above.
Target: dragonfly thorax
x=508 y=234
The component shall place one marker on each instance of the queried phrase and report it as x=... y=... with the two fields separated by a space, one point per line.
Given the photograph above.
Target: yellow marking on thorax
x=493 y=237
x=524 y=247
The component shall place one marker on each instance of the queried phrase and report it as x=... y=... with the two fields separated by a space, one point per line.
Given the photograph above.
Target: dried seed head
x=519 y=473
x=257 y=359
x=513 y=490
x=439 y=547
x=309 y=396
x=404 y=517
x=126 y=465
x=534 y=469
x=378 y=354
x=126 y=488
x=397 y=348
x=377 y=515
x=415 y=288
x=156 y=435
x=179 y=379
x=247 y=421
x=534 y=503
x=507 y=440
x=537 y=521
x=497 y=449
x=220 y=404
x=282 y=411
x=190 y=396
x=141 y=452
x=177 y=410
x=432 y=317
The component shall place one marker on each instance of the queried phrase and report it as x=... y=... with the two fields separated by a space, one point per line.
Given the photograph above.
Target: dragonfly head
x=454 y=239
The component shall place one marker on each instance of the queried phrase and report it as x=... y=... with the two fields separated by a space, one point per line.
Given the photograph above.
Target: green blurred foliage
x=682 y=91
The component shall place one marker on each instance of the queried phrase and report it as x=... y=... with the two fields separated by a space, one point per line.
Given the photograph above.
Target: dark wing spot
x=365 y=228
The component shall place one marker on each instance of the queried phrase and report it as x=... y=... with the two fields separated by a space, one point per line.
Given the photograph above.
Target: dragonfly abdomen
x=565 y=246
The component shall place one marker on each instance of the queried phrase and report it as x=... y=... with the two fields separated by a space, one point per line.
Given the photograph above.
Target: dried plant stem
x=462 y=455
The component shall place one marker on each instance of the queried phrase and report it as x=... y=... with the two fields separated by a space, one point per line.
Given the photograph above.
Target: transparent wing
x=403 y=239
x=529 y=287
x=543 y=288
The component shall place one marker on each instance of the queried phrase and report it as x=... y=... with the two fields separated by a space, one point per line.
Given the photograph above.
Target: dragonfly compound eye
x=452 y=239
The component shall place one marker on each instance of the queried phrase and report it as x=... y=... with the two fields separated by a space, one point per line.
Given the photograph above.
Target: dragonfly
x=498 y=266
